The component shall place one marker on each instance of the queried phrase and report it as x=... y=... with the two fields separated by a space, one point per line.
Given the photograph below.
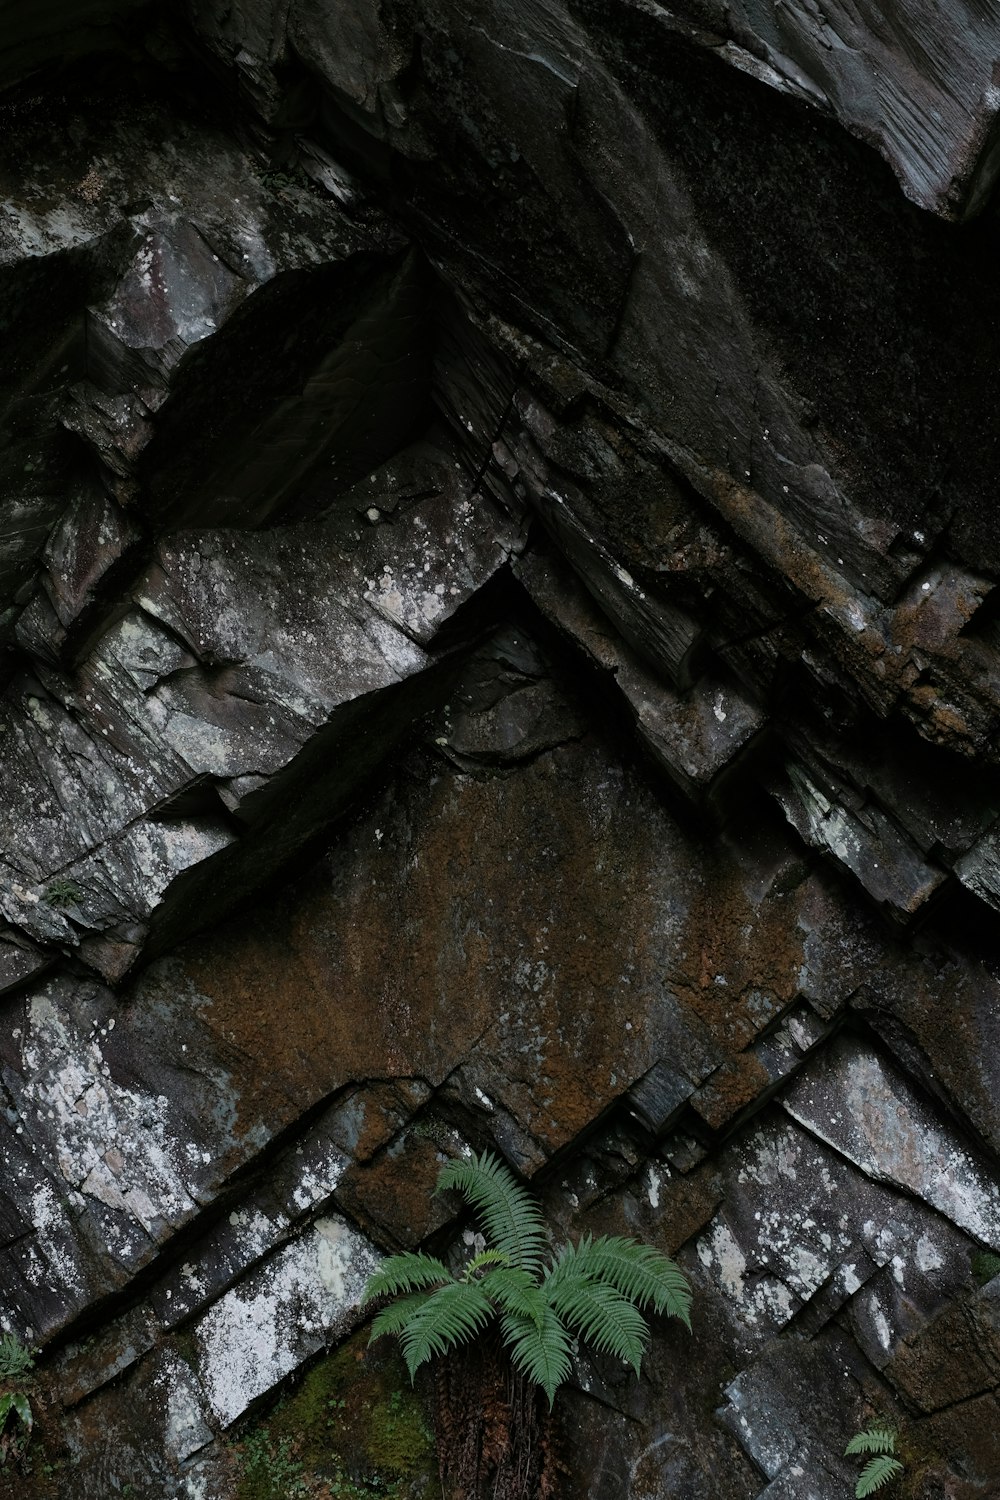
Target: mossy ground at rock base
x=353 y=1429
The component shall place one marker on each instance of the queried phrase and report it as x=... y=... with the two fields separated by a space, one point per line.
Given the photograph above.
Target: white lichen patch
x=255 y=1230
x=186 y=1430
x=771 y=1302
x=881 y=1325
x=720 y=1254
x=928 y=1256
x=849 y=1278
x=869 y=1113
x=38 y=231
x=284 y=1311
x=109 y=1143
x=318 y=1180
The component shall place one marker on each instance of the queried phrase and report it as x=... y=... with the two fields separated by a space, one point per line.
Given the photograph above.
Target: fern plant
x=15 y=1358
x=883 y=1466
x=597 y=1289
x=61 y=893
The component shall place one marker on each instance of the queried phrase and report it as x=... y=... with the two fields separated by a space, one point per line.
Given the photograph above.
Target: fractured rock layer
x=498 y=597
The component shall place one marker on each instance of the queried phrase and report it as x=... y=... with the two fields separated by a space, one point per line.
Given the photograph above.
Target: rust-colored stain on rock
x=555 y=932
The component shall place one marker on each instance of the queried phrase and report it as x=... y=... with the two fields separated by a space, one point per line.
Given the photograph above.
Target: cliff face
x=499 y=597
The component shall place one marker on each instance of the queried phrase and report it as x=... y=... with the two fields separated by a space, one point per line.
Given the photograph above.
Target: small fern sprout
x=880 y=1441
x=597 y=1290
x=15 y=1357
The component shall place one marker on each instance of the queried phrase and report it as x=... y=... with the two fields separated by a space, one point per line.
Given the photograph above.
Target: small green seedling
x=62 y=893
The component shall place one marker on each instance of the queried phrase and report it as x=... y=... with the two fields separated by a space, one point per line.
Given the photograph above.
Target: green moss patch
x=353 y=1430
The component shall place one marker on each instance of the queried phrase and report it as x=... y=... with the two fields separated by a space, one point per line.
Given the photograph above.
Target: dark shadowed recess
x=884 y=317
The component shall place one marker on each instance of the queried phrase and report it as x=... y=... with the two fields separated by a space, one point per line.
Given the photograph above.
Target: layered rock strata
x=499 y=591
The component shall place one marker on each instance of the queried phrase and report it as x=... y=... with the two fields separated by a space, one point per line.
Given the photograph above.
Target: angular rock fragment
x=20 y=962
x=659 y=630
x=241 y=652
x=772 y=1255
x=917 y=83
x=860 y=836
x=785 y=1399
x=693 y=736
x=954 y=1357
x=255 y=1335
x=865 y=1108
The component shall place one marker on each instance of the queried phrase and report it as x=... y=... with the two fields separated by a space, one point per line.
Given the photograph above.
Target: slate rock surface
x=499 y=587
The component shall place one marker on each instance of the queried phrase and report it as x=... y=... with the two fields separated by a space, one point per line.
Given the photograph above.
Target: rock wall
x=499 y=648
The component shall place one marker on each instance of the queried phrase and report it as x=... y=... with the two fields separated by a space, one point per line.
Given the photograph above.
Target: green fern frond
x=484 y=1261
x=873 y=1440
x=539 y=1351
x=639 y=1272
x=514 y=1290
x=405 y=1273
x=394 y=1319
x=17 y=1402
x=876 y=1473
x=509 y=1214
x=23 y=1408
x=606 y=1319
x=451 y=1315
x=595 y=1288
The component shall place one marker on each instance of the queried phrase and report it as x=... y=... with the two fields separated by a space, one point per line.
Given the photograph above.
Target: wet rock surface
x=498 y=649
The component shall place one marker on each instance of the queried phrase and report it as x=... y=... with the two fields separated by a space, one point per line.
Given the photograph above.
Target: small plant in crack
x=62 y=893
x=593 y=1289
x=16 y=1418
x=270 y=1469
x=522 y=1309
x=985 y=1265
x=278 y=179
x=15 y=1357
x=883 y=1467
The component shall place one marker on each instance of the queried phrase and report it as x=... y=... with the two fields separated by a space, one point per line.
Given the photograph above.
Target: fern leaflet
x=15 y=1359
x=449 y=1316
x=639 y=1272
x=516 y=1291
x=605 y=1318
x=18 y=1402
x=873 y=1440
x=405 y=1273
x=540 y=1351
x=511 y=1217
x=876 y=1473
x=395 y=1318
x=485 y=1261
